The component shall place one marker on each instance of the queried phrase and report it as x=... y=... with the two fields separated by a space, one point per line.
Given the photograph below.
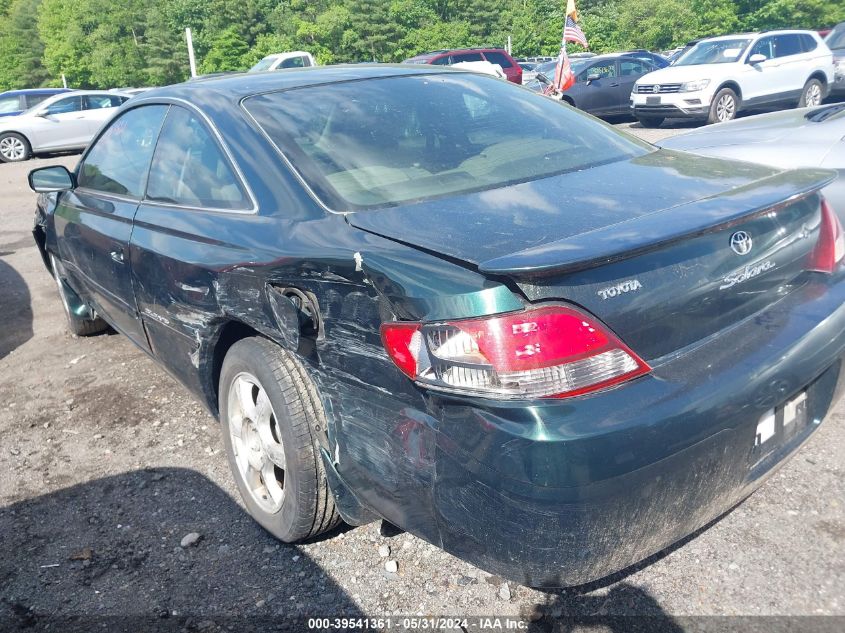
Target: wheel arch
x=569 y=100
x=228 y=333
x=818 y=74
x=733 y=85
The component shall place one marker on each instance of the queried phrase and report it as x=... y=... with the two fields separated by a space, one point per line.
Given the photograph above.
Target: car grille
x=649 y=89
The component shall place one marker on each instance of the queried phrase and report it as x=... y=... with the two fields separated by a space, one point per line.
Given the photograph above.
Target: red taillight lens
x=402 y=342
x=545 y=352
x=830 y=248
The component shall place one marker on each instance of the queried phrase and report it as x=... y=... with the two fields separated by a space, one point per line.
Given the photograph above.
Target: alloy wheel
x=12 y=148
x=257 y=442
x=725 y=108
x=814 y=95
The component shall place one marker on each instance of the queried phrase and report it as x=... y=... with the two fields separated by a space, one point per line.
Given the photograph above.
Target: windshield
x=381 y=142
x=264 y=64
x=714 y=52
x=836 y=38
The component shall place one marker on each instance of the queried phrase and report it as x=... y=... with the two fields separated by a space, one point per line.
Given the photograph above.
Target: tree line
x=105 y=44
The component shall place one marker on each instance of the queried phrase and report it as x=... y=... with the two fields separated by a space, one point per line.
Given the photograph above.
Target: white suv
x=720 y=76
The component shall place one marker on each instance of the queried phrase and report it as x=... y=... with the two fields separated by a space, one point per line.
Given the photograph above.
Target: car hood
x=488 y=225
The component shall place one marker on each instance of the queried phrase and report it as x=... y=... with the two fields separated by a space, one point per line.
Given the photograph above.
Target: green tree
x=228 y=51
x=21 y=48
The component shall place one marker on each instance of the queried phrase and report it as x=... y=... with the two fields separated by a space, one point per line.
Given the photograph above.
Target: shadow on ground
x=106 y=555
x=16 y=307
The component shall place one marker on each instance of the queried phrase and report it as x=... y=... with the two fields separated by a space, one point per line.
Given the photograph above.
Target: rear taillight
x=830 y=248
x=548 y=352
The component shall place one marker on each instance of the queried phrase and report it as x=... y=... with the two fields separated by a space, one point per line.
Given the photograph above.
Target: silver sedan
x=63 y=122
x=806 y=137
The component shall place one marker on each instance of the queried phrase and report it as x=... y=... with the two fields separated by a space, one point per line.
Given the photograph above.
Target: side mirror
x=593 y=77
x=42 y=112
x=757 y=58
x=51 y=179
x=542 y=78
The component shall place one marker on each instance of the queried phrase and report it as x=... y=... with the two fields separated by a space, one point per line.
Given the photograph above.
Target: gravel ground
x=108 y=465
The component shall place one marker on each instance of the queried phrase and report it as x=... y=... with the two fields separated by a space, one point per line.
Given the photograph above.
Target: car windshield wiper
x=823 y=114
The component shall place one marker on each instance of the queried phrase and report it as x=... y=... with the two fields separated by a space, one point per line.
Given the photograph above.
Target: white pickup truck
x=278 y=61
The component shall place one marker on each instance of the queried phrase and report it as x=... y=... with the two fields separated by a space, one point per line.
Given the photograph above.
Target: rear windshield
x=714 y=52
x=380 y=142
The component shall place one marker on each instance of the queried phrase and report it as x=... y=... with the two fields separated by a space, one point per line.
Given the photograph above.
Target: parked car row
x=62 y=122
x=13 y=102
x=712 y=80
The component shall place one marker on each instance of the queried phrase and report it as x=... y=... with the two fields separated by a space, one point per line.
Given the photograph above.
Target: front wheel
x=271 y=416
x=812 y=94
x=724 y=107
x=81 y=320
x=14 y=148
x=650 y=121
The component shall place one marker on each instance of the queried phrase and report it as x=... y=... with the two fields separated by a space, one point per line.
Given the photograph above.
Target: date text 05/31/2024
x=478 y=623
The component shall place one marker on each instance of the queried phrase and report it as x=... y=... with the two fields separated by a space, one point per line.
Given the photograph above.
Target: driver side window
x=120 y=159
x=604 y=71
x=763 y=47
x=63 y=106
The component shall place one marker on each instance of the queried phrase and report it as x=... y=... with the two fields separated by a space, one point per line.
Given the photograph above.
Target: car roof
x=240 y=85
x=286 y=54
x=79 y=93
x=470 y=49
x=754 y=34
x=36 y=91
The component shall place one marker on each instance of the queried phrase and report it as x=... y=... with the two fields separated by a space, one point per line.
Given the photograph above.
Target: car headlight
x=694 y=86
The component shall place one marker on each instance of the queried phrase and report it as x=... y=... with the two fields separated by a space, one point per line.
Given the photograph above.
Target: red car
x=493 y=55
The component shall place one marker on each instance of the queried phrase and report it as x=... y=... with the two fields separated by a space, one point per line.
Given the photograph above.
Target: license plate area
x=652 y=100
x=778 y=426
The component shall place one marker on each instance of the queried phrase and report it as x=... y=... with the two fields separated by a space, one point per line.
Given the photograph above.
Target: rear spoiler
x=661 y=228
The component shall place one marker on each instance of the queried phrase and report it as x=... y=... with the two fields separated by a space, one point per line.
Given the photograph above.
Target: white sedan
x=66 y=121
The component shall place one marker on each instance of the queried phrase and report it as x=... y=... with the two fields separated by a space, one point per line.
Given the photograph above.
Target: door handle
x=614 y=85
x=117 y=256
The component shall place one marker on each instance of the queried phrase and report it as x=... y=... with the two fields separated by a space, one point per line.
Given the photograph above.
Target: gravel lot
x=108 y=464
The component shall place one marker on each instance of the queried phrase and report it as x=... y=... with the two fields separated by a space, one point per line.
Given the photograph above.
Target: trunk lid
x=645 y=245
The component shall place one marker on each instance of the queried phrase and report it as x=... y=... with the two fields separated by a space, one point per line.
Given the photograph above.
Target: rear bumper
x=563 y=493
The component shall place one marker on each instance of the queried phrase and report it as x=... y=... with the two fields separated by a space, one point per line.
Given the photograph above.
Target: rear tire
x=78 y=324
x=650 y=121
x=812 y=94
x=724 y=106
x=14 y=148
x=272 y=415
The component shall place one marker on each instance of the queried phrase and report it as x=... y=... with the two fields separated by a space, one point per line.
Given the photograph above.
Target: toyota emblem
x=741 y=243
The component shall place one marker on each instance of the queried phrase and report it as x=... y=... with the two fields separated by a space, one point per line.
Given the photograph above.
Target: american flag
x=573 y=33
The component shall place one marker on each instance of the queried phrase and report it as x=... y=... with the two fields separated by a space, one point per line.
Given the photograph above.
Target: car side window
x=119 y=160
x=95 y=102
x=789 y=44
x=63 y=106
x=629 y=67
x=808 y=42
x=9 y=104
x=293 y=62
x=604 y=71
x=495 y=57
x=441 y=61
x=34 y=100
x=190 y=169
x=467 y=57
x=763 y=47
